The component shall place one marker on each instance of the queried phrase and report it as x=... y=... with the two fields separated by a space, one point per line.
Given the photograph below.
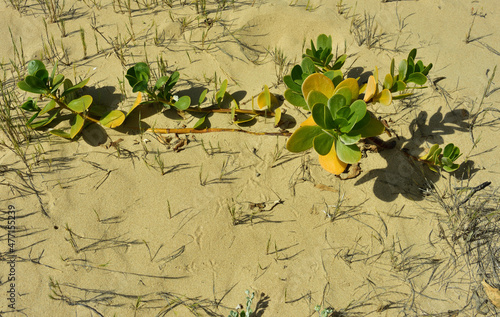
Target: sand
x=102 y=230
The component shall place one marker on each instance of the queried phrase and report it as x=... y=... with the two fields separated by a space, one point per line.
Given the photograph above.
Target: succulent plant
x=81 y=109
x=338 y=121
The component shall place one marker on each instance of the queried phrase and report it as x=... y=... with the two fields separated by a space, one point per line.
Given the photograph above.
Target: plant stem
x=208 y=130
x=244 y=111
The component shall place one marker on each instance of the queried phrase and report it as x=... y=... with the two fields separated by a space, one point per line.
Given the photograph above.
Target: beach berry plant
x=138 y=77
x=339 y=115
x=339 y=118
x=60 y=103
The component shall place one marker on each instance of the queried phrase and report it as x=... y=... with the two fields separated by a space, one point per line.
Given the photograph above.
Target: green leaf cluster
x=317 y=59
x=247 y=312
x=138 y=77
x=409 y=71
x=339 y=123
x=443 y=158
x=47 y=86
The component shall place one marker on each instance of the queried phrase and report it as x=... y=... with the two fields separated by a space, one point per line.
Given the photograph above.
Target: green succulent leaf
x=413 y=54
x=291 y=83
x=60 y=133
x=307 y=66
x=323 y=143
x=427 y=69
x=325 y=57
x=451 y=168
x=49 y=106
x=302 y=139
x=296 y=74
x=398 y=86
x=402 y=69
x=448 y=150
x=346 y=92
x=324 y=42
x=340 y=123
x=451 y=151
x=44 y=122
x=43 y=75
x=339 y=62
x=33 y=117
x=392 y=68
x=30 y=105
x=388 y=81
x=295 y=99
x=172 y=80
x=322 y=116
x=430 y=153
x=138 y=77
x=202 y=96
x=77 y=126
x=419 y=67
x=417 y=78
x=328 y=59
x=34 y=66
x=200 y=123
x=183 y=103
x=358 y=109
x=349 y=138
x=363 y=122
x=81 y=104
x=344 y=112
x=113 y=119
x=315 y=97
x=161 y=81
x=336 y=103
x=56 y=82
x=349 y=154
x=368 y=129
x=410 y=66
x=24 y=86
x=36 y=83
x=244 y=118
x=222 y=92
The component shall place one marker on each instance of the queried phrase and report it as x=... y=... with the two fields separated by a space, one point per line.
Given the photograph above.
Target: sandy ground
x=236 y=212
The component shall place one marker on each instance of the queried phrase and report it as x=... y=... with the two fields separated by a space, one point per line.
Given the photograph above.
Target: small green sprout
x=444 y=159
x=323 y=313
x=248 y=311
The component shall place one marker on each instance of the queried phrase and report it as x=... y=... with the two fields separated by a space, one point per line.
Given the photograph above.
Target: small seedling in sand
x=247 y=312
x=339 y=116
x=446 y=160
x=323 y=313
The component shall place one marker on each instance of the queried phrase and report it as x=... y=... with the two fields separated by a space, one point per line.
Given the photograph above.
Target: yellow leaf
x=267 y=99
x=277 y=116
x=385 y=97
x=309 y=122
x=371 y=89
x=136 y=103
x=353 y=86
x=318 y=82
x=492 y=293
x=331 y=162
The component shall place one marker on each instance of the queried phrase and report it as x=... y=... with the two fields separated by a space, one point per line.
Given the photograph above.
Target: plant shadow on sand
x=404 y=176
